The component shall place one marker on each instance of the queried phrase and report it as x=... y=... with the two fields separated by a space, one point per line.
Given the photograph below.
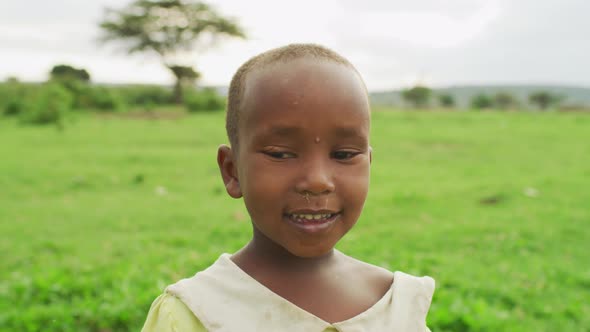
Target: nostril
x=306 y=195
x=315 y=179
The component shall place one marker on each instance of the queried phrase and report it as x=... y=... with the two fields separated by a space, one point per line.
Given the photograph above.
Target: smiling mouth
x=313 y=222
x=307 y=217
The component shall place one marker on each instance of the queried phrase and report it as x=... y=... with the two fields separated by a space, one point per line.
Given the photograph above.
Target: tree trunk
x=184 y=75
x=178 y=98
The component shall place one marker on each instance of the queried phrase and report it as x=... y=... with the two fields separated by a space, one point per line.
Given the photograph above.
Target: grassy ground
x=97 y=219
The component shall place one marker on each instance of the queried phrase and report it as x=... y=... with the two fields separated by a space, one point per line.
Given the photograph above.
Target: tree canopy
x=168 y=28
x=418 y=96
x=543 y=99
x=67 y=72
x=504 y=100
x=446 y=100
x=481 y=101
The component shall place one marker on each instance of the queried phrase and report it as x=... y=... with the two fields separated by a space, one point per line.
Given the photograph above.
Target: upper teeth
x=312 y=216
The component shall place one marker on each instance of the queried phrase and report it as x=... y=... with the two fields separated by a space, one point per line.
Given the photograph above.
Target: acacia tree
x=418 y=96
x=504 y=100
x=446 y=100
x=168 y=28
x=67 y=72
x=543 y=99
x=481 y=101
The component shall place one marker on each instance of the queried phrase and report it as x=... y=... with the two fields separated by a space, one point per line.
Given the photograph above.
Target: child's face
x=303 y=154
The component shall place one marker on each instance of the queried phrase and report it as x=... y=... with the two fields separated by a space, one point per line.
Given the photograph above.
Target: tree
x=13 y=97
x=481 y=101
x=184 y=75
x=168 y=28
x=75 y=80
x=418 y=96
x=543 y=99
x=68 y=73
x=49 y=106
x=446 y=100
x=504 y=100
x=12 y=80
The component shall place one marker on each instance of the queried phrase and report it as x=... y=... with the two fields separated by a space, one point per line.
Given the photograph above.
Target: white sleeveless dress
x=223 y=298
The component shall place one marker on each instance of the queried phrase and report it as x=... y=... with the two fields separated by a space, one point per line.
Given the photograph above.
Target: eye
x=280 y=154
x=344 y=155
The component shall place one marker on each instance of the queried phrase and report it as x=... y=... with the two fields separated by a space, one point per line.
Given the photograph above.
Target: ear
x=227 y=165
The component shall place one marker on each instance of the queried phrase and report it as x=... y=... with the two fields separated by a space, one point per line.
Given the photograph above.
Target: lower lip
x=313 y=226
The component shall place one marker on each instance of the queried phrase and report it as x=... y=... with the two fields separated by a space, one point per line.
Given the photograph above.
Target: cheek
x=356 y=193
x=355 y=182
x=262 y=186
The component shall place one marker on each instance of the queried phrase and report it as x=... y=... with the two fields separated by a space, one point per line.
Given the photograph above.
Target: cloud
x=393 y=43
x=427 y=28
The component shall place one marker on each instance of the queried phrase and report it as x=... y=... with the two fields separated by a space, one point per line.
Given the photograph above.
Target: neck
x=261 y=252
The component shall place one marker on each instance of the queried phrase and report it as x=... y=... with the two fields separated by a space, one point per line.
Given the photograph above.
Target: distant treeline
x=487 y=98
x=70 y=89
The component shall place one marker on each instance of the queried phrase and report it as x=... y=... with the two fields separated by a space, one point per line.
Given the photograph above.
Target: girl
x=298 y=123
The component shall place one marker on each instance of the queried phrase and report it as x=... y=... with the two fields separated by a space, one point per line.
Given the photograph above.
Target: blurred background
x=111 y=113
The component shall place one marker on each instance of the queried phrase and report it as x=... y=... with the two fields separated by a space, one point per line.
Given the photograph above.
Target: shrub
x=49 y=106
x=204 y=100
x=13 y=97
x=544 y=99
x=446 y=100
x=418 y=96
x=87 y=96
x=76 y=81
x=144 y=95
x=106 y=99
x=14 y=107
x=81 y=92
x=481 y=101
x=504 y=100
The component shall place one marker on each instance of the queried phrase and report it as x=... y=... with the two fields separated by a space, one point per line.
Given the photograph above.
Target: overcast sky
x=393 y=43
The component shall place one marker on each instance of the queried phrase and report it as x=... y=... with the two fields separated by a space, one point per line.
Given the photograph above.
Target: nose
x=316 y=178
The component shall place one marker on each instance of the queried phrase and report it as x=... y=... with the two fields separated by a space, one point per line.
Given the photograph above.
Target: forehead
x=286 y=92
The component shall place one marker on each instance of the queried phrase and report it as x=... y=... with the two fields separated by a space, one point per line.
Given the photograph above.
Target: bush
x=81 y=92
x=14 y=107
x=481 y=101
x=544 y=99
x=446 y=100
x=49 y=106
x=504 y=100
x=13 y=97
x=204 y=100
x=106 y=99
x=418 y=96
x=145 y=95
x=110 y=98
x=87 y=96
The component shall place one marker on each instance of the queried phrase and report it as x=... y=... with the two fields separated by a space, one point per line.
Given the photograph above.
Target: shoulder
x=381 y=279
x=168 y=313
x=423 y=284
x=414 y=293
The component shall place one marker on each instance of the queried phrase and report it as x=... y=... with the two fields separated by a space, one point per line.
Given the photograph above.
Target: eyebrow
x=291 y=131
x=348 y=132
x=283 y=131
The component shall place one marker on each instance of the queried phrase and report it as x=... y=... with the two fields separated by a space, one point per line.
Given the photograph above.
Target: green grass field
x=96 y=220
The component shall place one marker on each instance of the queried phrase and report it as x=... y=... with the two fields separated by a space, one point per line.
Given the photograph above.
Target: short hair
x=276 y=55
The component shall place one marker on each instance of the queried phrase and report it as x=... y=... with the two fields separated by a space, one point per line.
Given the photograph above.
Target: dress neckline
x=383 y=301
